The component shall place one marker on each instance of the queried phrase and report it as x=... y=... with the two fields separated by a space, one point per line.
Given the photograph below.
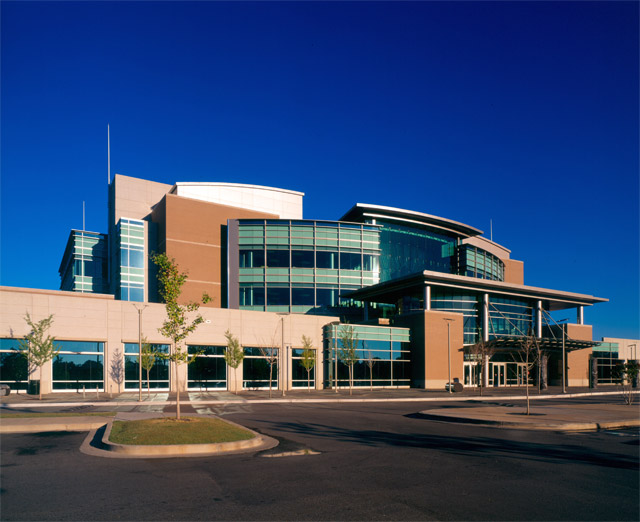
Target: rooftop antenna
x=83 y=228
x=491 y=229
x=108 y=157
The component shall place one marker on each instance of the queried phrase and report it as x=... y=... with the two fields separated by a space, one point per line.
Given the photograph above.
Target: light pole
x=449 y=347
x=564 y=357
x=140 y=350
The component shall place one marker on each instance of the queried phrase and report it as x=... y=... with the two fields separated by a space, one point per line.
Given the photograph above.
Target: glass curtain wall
x=409 y=249
x=510 y=317
x=476 y=262
x=78 y=365
x=383 y=356
x=159 y=375
x=607 y=363
x=84 y=263
x=209 y=370
x=299 y=266
x=13 y=365
x=132 y=262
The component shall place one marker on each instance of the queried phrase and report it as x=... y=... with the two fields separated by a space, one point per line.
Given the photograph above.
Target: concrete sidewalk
x=542 y=416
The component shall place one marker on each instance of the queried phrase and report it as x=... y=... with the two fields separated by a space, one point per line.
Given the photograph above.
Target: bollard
x=97 y=396
x=83 y=395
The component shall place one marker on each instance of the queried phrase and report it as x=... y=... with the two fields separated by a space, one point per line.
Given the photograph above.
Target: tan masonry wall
x=191 y=232
x=513 y=271
x=100 y=318
x=429 y=347
x=578 y=361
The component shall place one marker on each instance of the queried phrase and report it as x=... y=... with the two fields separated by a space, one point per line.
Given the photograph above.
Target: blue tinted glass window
x=278 y=258
x=349 y=261
x=136 y=294
x=251 y=258
x=302 y=296
x=136 y=258
x=326 y=259
x=327 y=296
x=278 y=297
x=302 y=258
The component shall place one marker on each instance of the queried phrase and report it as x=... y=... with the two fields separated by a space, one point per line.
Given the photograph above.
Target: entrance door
x=498 y=372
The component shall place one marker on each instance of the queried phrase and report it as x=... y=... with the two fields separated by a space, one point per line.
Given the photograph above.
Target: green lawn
x=4 y=415
x=189 y=430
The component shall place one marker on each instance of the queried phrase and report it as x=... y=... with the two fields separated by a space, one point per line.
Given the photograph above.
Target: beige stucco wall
x=92 y=317
x=513 y=271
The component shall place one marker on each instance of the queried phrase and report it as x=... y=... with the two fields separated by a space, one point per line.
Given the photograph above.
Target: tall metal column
x=580 y=315
x=539 y=319
x=485 y=317
x=426 y=296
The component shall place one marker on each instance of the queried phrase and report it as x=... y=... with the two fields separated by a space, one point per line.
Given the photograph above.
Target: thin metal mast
x=108 y=157
x=83 y=226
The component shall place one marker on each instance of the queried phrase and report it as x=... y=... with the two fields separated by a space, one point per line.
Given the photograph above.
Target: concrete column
x=426 y=296
x=485 y=317
x=539 y=319
x=580 y=315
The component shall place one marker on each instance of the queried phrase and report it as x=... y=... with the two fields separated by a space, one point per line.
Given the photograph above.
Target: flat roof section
x=391 y=291
x=362 y=210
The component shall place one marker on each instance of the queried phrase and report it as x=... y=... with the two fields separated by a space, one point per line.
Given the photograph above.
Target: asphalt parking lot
x=366 y=461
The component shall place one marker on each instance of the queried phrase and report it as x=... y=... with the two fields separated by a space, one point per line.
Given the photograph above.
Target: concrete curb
x=455 y=398
x=258 y=442
x=550 y=426
x=63 y=424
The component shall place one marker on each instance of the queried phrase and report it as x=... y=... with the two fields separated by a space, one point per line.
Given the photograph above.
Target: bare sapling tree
x=233 y=356
x=308 y=359
x=178 y=325
x=480 y=352
x=370 y=361
x=268 y=350
x=148 y=360
x=529 y=354
x=348 y=351
x=628 y=374
x=38 y=347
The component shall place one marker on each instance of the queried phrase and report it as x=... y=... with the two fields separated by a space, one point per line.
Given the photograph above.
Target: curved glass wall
x=383 y=356
x=410 y=249
x=476 y=262
x=13 y=365
x=302 y=266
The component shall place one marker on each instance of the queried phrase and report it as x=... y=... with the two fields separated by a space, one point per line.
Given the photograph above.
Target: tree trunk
x=270 y=377
x=148 y=385
x=40 y=385
x=178 y=390
x=351 y=379
x=308 y=381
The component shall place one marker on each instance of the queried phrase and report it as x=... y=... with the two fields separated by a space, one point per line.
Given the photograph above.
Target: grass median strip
x=189 y=430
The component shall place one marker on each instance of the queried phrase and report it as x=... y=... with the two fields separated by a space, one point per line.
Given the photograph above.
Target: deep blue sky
x=523 y=113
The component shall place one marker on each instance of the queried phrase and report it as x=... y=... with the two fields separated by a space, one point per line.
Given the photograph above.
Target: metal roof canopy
x=547 y=344
x=391 y=291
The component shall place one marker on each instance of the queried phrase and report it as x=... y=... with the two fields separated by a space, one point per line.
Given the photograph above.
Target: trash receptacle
x=34 y=387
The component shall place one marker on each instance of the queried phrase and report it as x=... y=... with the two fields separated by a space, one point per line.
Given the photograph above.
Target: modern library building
x=418 y=293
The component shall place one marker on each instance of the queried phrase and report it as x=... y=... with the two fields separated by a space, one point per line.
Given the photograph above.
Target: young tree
x=370 y=361
x=176 y=327
x=269 y=351
x=308 y=358
x=233 y=355
x=38 y=347
x=481 y=352
x=148 y=360
x=628 y=373
x=529 y=353
x=348 y=351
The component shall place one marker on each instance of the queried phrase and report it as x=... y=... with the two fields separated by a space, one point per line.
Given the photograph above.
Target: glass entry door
x=497 y=373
